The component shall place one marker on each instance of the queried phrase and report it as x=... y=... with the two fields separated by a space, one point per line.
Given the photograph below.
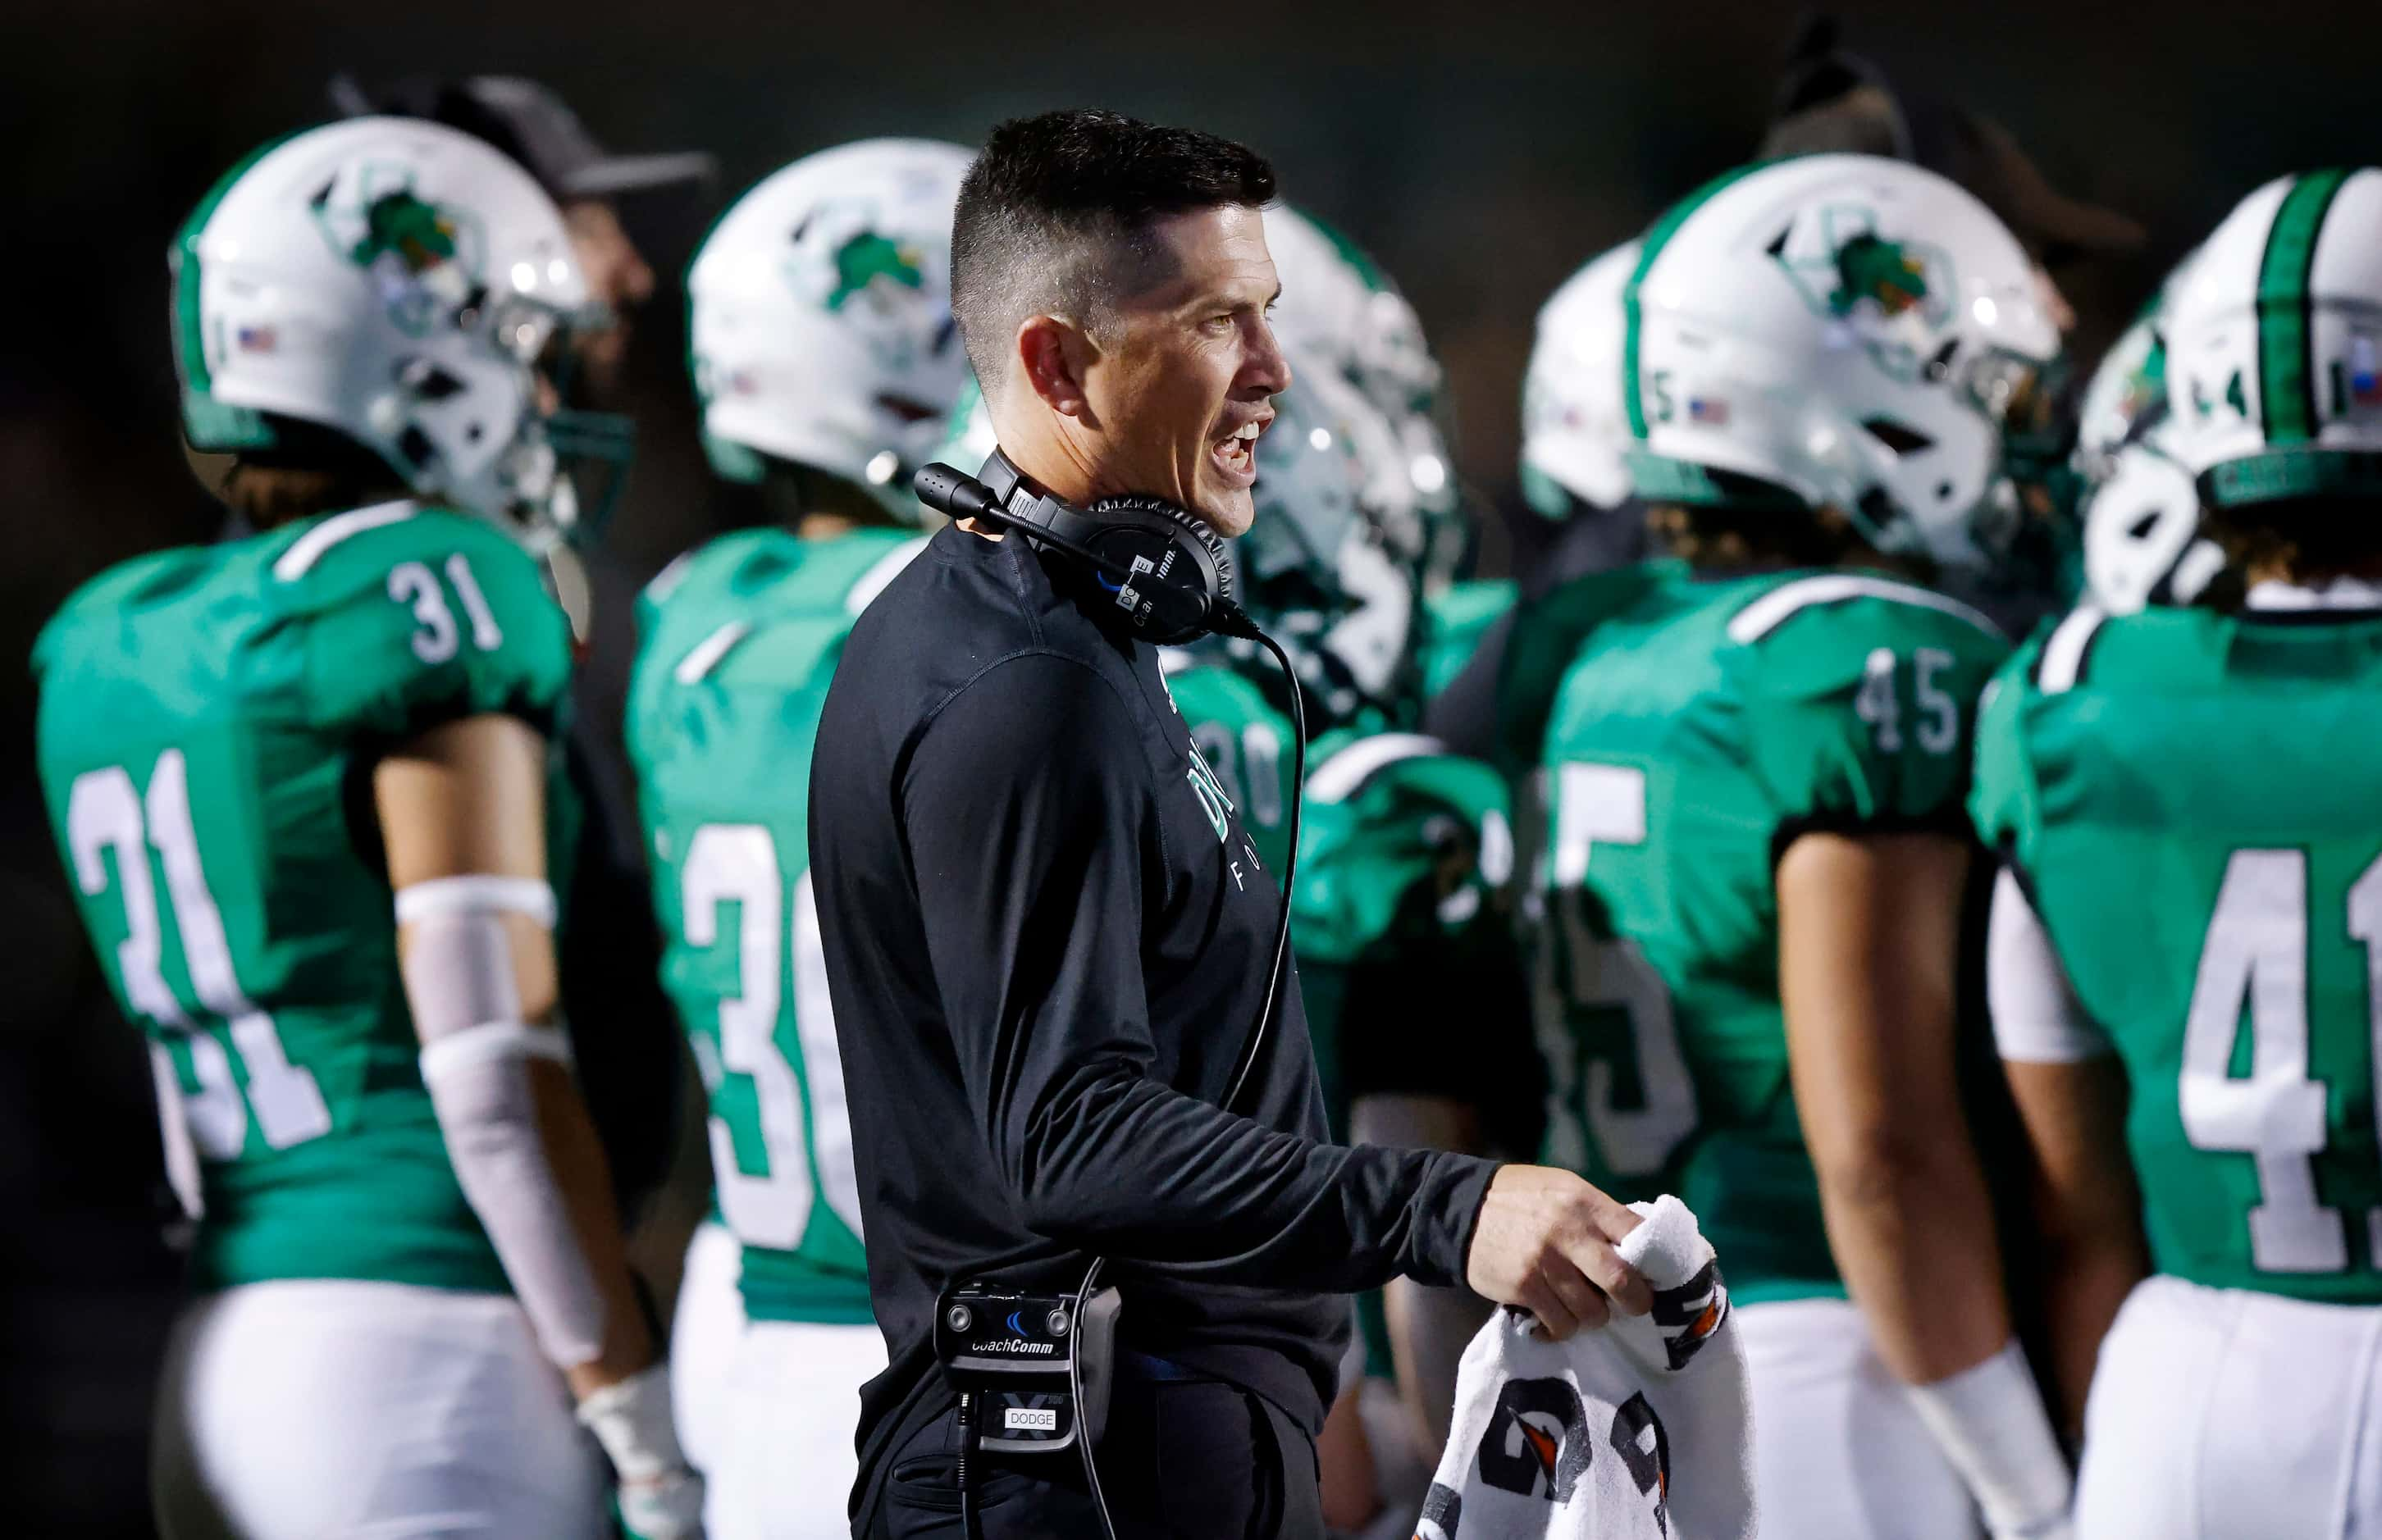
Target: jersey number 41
x=2257 y=947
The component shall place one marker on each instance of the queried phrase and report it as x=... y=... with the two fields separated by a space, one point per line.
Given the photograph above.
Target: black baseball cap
x=531 y=124
x=1832 y=99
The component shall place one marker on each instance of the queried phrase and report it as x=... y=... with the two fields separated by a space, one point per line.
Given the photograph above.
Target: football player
x=306 y=786
x=2187 y=933
x=827 y=365
x=1748 y=848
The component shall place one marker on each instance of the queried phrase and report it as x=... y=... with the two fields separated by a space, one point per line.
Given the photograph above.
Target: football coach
x=1042 y=960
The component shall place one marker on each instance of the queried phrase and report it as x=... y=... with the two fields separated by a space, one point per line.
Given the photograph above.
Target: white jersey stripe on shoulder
x=1338 y=777
x=658 y=586
x=2063 y=653
x=887 y=568
x=705 y=656
x=1766 y=614
x=308 y=548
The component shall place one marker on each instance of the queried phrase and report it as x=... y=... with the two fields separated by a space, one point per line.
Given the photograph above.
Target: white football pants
x=2220 y=1413
x=773 y=1405
x=311 y=1408
x=1839 y=1453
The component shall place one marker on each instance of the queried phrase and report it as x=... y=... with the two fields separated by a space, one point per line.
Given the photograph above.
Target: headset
x=1172 y=578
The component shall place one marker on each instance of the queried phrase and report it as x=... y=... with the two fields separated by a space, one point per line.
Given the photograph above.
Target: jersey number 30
x=2257 y=947
x=738 y=863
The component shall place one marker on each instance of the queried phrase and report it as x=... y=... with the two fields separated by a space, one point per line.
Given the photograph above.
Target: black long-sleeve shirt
x=1046 y=939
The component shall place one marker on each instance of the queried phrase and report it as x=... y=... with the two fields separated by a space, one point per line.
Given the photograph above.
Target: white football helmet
x=1576 y=437
x=1839 y=331
x=2274 y=345
x=1318 y=569
x=1340 y=312
x=396 y=282
x=819 y=317
x=2141 y=516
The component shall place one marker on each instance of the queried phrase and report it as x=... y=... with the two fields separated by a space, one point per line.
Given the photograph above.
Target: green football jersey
x=1404 y=852
x=739 y=641
x=1455 y=620
x=2193 y=802
x=1685 y=730
x=209 y=720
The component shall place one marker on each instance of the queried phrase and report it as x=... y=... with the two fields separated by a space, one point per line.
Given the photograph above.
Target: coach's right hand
x=1544 y=1242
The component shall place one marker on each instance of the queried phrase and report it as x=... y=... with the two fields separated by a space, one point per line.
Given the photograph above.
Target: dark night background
x=1480 y=152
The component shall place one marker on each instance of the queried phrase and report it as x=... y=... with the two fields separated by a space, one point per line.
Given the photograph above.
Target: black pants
x=1194 y=1459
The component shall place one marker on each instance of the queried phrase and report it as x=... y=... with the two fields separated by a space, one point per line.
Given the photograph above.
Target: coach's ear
x=1054 y=354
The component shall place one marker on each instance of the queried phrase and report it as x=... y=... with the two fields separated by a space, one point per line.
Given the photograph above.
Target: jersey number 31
x=107 y=816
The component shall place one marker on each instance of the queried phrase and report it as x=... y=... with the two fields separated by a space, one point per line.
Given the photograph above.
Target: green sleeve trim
x=2286 y=366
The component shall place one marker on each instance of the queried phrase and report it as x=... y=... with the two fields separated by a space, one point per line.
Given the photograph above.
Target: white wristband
x=1989 y=1421
x=632 y=1420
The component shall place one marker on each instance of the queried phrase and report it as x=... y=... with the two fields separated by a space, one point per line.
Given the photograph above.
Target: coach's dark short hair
x=1051 y=216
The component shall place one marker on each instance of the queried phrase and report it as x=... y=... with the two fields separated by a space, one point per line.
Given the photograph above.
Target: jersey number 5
x=2257 y=947
x=1615 y=1073
x=106 y=816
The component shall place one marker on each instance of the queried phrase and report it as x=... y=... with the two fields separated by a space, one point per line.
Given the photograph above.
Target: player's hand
x=1544 y=1242
x=668 y=1507
x=660 y=1495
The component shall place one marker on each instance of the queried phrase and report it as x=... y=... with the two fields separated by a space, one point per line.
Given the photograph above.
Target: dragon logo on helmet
x=868 y=257
x=1895 y=297
x=844 y=263
x=1868 y=268
x=425 y=258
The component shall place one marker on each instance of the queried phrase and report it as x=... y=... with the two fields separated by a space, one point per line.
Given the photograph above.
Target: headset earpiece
x=1211 y=578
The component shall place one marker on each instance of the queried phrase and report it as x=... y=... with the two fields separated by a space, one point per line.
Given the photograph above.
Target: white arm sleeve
x=2037 y=1019
x=475 y=1061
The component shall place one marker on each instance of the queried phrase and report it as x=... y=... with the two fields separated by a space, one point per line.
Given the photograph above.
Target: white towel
x=1639 y=1431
